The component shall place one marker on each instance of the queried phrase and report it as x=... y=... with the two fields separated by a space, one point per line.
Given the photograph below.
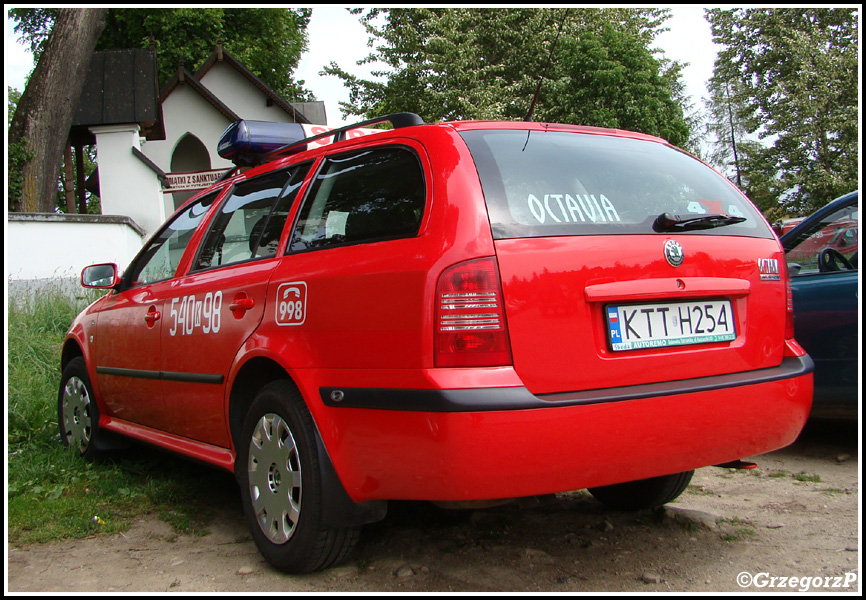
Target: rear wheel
x=644 y=493
x=281 y=487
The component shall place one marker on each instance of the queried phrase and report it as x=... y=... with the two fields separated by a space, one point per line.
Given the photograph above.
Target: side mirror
x=101 y=277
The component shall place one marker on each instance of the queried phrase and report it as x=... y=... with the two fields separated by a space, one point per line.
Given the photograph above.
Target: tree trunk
x=48 y=104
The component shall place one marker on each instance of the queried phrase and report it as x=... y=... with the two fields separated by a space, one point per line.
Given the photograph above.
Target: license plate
x=636 y=326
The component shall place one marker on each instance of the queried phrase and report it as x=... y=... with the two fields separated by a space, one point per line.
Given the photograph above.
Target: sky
x=336 y=35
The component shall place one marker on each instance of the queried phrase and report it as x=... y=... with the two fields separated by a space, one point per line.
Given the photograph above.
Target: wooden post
x=79 y=179
x=68 y=175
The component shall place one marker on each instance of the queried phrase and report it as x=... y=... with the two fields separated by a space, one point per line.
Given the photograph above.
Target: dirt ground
x=792 y=524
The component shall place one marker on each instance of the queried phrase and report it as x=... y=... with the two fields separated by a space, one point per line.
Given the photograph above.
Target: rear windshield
x=549 y=183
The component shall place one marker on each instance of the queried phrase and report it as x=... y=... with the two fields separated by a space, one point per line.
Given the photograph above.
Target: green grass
x=36 y=327
x=54 y=494
x=741 y=530
x=810 y=477
x=699 y=490
x=738 y=535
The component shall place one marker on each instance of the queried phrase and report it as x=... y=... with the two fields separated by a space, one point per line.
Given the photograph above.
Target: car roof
x=540 y=126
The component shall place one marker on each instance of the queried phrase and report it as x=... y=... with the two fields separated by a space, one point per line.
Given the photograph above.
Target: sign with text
x=191 y=181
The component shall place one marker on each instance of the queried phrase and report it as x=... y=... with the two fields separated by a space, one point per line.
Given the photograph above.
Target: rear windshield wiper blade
x=668 y=222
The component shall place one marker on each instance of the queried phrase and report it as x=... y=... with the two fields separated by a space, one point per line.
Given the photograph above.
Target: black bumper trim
x=519 y=398
x=164 y=375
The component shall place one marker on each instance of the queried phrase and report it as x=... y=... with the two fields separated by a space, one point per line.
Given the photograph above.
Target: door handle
x=151 y=317
x=240 y=305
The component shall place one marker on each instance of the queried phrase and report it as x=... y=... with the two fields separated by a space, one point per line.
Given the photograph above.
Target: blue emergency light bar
x=251 y=143
x=245 y=142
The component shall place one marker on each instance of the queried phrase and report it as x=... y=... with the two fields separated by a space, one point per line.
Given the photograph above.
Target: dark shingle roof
x=121 y=87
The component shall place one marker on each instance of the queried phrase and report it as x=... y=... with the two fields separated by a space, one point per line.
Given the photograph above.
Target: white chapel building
x=149 y=164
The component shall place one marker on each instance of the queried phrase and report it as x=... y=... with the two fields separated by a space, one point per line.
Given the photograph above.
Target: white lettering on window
x=571 y=209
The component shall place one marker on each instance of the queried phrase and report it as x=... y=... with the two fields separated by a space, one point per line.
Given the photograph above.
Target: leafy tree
x=734 y=150
x=16 y=153
x=268 y=41
x=45 y=110
x=180 y=35
x=448 y=64
x=34 y=26
x=612 y=80
x=12 y=98
x=794 y=77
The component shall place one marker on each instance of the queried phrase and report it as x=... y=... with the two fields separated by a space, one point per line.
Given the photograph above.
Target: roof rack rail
x=397 y=120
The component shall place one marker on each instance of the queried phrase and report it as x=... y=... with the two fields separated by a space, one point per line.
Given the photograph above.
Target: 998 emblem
x=291 y=303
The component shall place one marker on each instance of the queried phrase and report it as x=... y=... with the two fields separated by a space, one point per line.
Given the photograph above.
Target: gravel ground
x=792 y=524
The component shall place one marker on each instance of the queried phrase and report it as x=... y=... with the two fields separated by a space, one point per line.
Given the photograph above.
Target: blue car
x=822 y=254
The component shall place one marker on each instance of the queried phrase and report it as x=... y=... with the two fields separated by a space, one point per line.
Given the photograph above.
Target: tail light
x=792 y=348
x=470 y=317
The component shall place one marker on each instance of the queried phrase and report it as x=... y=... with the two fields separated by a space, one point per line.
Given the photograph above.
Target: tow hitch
x=738 y=464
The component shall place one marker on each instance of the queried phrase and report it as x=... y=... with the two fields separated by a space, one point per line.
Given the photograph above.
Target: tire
x=77 y=413
x=281 y=488
x=644 y=493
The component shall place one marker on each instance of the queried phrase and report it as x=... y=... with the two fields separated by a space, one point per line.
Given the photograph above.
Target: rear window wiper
x=668 y=222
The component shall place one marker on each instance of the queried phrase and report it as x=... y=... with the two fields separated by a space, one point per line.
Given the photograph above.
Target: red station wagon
x=450 y=312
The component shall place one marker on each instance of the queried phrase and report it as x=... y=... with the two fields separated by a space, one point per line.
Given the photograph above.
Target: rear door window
x=364 y=196
x=250 y=222
x=548 y=183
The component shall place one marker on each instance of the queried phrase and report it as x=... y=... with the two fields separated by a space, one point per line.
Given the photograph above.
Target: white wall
x=240 y=95
x=53 y=246
x=48 y=246
x=184 y=111
x=127 y=186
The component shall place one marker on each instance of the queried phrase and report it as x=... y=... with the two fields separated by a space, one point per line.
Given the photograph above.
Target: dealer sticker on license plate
x=635 y=326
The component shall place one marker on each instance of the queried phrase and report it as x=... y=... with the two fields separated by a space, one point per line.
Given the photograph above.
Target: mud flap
x=338 y=509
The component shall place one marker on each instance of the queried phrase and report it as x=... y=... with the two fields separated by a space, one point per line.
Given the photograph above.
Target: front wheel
x=644 y=493
x=281 y=487
x=77 y=414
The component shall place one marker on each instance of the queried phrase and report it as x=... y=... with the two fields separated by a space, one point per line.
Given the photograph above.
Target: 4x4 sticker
x=572 y=208
x=292 y=303
x=769 y=269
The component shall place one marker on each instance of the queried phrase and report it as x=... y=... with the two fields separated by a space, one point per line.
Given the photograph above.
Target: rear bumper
x=483 y=443
x=519 y=398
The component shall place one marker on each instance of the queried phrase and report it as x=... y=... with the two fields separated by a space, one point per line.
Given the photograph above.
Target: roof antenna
x=528 y=116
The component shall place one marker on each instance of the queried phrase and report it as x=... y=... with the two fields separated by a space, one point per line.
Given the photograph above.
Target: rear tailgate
x=593 y=312
x=625 y=261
